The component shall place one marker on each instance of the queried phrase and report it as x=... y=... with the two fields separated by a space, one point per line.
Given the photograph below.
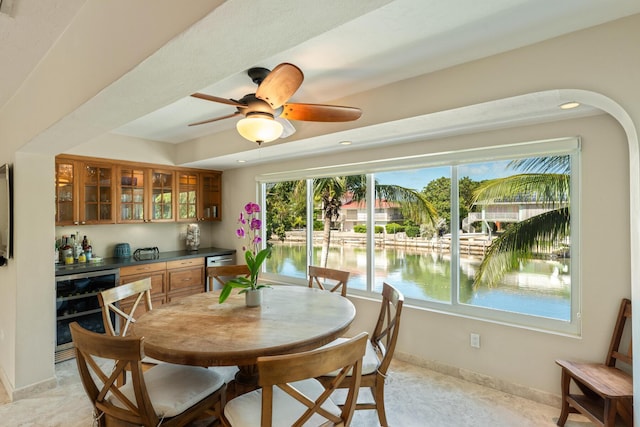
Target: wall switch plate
x=474 y=340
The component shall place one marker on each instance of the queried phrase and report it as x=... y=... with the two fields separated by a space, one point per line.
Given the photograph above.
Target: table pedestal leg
x=246 y=380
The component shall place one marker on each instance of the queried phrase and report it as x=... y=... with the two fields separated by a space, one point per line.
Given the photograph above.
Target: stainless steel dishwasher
x=217 y=260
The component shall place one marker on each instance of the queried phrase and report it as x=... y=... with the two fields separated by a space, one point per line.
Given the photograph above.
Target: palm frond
x=548 y=189
x=413 y=204
x=549 y=164
x=518 y=243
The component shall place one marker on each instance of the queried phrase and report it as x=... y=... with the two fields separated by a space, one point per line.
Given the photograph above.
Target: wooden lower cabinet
x=170 y=280
x=158 y=274
x=185 y=277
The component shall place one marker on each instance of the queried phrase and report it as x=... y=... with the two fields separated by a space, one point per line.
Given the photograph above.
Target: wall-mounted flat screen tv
x=6 y=213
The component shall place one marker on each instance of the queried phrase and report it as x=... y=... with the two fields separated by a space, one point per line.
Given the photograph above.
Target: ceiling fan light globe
x=259 y=129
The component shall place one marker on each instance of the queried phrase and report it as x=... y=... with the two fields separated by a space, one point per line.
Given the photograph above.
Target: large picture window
x=484 y=233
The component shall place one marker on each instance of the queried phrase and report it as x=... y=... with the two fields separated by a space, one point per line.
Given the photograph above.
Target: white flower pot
x=253 y=297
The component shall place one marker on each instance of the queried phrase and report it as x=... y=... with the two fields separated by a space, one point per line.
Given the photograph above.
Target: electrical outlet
x=474 y=340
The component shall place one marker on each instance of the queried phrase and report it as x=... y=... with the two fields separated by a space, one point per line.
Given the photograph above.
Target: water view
x=540 y=288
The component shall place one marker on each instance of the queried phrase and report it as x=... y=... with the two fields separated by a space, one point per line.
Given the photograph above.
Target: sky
x=417 y=179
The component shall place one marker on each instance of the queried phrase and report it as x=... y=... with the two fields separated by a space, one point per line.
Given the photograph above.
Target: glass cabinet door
x=210 y=197
x=132 y=195
x=162 y=187
x=97 y=194
x=66 y=213
x=187 y=200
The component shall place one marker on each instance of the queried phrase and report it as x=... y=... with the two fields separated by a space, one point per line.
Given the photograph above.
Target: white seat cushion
x=370 y=361
x=227 y=373
x=174 y=388
x=245 y=410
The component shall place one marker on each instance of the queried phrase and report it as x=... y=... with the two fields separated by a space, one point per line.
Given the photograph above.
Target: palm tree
x=548 y=180
x=329 y=193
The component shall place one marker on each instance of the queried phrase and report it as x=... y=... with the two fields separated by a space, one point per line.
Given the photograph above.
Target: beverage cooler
x=77 y=301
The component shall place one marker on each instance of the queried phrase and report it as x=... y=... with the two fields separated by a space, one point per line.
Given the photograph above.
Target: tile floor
x=415 y=397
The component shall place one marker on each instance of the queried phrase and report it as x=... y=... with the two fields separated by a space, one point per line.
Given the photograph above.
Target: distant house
x=506 y=211
x=355 y=212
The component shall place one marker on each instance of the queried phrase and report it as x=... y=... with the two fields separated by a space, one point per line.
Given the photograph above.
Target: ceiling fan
x=266 y=112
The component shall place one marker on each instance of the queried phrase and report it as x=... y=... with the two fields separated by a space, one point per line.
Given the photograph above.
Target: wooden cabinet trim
x=127 y=163
x=142 y=268
x=187 y=262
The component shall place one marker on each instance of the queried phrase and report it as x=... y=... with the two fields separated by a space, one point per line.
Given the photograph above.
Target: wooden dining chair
x=606 y=390
x=223 y=273
x=167 y=394
x=124 y=303
x=129 y=301
x=379 y=352
x=328 y=278
x=120 y=306
x=291 y=395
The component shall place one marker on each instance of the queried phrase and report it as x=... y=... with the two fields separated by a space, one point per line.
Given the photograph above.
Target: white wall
x=509 y=355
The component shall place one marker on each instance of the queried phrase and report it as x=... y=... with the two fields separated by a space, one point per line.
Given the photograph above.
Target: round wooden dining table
x=197 y=330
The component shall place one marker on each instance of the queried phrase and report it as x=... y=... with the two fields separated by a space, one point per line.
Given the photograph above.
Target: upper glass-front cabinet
x=187 y=196
x=211 y=197
x=145 y=195
x=96 y=195
x=131 y=197
x=84 y=193
x=66 y=194
x=162 y=189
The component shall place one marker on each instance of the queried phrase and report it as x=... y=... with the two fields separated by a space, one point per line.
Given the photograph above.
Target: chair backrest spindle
x=223 y=273
x=385 y=333
x=616 y=351
x=328 y=278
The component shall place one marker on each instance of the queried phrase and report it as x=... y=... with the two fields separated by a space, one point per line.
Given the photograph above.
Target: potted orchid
x=249 y=229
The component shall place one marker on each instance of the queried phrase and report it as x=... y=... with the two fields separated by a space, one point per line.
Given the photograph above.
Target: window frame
x=558 y=146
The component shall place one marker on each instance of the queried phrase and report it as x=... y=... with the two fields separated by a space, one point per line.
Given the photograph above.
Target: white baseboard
x=28 y=391
x=535 y=395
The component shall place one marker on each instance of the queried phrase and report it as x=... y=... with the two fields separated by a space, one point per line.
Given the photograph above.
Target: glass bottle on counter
x=88 y=251
x=65 y=250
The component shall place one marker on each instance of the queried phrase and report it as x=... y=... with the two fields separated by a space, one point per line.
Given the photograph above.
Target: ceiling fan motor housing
x=258 y=74
x=255 y=106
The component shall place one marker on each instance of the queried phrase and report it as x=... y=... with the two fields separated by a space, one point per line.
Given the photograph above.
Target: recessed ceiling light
x=569 y=105
x=345 y=142
x=242 y=161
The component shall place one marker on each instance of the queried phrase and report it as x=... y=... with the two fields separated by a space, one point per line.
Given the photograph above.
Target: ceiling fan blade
x=218 y=99
x=320 y=113
x=237 y=113
x=287 y=127
x=280 y=84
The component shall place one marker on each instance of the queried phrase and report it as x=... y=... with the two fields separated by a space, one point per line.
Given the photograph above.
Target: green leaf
x=248 y=257
x=224 y=294
x=239 y=282
x=262 y=255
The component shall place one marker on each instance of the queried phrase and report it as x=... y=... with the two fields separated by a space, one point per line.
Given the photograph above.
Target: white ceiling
x=399 y=40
